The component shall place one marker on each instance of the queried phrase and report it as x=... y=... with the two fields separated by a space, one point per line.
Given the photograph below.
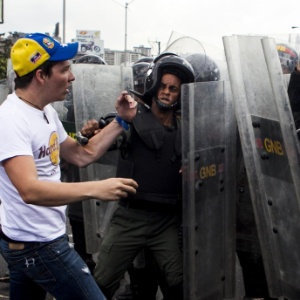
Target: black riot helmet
x=165 y=63
x=90 y=59
x=139 y=70
x=145 y=59
x=288 y=57
x=205 y=68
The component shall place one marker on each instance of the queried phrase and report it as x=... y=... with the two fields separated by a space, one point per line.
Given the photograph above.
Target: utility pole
x=158 y=45
x=125 y=51
x=64 y=22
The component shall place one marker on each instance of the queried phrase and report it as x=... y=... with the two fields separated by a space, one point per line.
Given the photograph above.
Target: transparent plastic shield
x=3 y=90
x=7 y=85
x=185 y=46
x=95 y=91
x=271 y=153
x=286 y=80
x=209 y=190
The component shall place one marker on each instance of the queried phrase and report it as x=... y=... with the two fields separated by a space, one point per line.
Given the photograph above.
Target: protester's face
x=169 y=89
x=58 y=84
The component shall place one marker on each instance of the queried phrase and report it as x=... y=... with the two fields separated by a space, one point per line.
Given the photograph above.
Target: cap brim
x=65 y=52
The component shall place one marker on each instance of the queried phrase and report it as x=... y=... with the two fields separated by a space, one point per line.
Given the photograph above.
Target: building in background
x=90 y=43
x=117 y=57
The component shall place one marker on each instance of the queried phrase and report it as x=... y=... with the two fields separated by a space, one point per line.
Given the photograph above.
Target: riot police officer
x=150 y=219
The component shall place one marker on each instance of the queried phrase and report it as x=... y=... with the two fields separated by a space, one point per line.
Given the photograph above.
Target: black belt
x=148 y=206
x=170 y=199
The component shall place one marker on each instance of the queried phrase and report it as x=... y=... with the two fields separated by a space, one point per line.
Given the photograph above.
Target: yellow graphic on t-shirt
x=54 y=148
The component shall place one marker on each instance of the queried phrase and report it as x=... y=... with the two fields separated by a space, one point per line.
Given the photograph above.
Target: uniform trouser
x=131 y=230
x=254 y=276
x=39 y=267
x=146 y=277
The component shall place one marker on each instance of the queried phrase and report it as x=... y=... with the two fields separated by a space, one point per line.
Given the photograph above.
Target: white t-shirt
x=25 y=131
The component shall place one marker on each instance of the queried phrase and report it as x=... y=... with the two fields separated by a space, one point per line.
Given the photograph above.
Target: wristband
x=122 y=122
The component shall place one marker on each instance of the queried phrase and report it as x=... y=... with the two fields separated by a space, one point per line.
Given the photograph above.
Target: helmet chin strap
x=165 y=107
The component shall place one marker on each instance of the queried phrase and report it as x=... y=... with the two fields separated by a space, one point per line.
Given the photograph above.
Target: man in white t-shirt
x=33 y=238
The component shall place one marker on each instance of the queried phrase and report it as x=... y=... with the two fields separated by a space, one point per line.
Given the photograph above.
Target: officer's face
x=169 y=89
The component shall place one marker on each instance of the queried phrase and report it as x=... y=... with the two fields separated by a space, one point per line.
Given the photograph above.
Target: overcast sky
x=152 y=21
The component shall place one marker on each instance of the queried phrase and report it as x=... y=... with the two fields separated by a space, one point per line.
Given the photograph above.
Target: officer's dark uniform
x=151 y=218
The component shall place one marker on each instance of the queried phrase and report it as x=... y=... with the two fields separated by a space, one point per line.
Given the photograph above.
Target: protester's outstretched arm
x=22 y=172
x=84 y=155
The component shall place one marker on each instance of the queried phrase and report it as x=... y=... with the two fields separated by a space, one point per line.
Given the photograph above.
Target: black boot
x=126 y=294
x=174 y=293
x=143 y=284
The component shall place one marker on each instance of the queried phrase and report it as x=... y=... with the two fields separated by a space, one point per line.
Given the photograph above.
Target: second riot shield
x=95 y=91
x=209 y=197
x=271 y=154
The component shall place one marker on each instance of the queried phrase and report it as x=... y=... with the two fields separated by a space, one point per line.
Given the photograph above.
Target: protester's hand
x=113 y=189
x=90 y=128
x=126 y=106
x=298 y=67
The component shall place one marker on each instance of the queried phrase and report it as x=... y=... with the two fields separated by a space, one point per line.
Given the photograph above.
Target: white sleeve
x=15 y=138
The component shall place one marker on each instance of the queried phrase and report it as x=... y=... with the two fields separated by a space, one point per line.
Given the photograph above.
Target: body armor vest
x=153 y=158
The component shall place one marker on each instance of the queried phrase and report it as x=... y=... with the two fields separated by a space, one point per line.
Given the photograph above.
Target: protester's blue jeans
x=53 y=267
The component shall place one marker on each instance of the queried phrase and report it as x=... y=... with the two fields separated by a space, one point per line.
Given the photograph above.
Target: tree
x=5 y=47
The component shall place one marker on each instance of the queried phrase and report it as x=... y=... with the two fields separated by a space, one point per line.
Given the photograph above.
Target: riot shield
x=185 y=46
x=3 y=90
x=286 y=80
x=209 y=190
x=271 y=153
x=7 y=85
x=95 y=91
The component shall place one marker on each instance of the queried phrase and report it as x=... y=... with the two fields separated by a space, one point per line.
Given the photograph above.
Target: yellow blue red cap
x=30 y=52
